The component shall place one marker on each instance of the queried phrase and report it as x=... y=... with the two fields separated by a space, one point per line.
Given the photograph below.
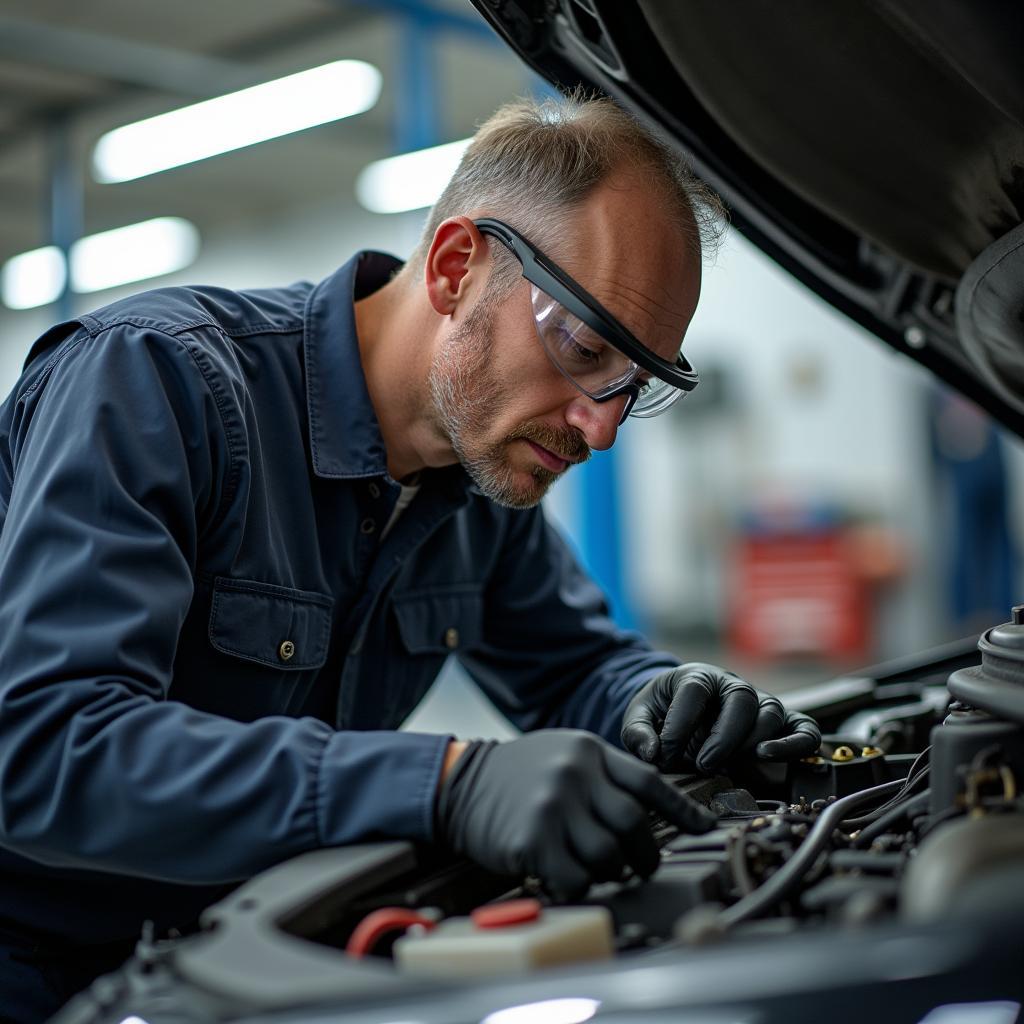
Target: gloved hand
x=560 y=804
x=697 y=717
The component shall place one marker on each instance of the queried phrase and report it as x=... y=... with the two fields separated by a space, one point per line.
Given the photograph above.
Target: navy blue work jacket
x=205 y=649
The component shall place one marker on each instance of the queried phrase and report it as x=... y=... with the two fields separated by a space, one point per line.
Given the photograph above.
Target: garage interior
x=753 y=452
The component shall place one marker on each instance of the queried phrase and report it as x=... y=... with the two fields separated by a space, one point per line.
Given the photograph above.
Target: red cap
x=502 y=915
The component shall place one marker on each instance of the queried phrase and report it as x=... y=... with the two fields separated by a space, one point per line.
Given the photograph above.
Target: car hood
x=873 y=149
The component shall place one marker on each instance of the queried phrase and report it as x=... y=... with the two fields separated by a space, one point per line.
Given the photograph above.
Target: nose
x=598 y=422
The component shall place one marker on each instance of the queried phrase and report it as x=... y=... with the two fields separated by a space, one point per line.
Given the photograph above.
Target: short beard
x=467 y=397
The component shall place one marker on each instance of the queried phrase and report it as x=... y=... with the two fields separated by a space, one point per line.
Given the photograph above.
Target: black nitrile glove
x=697 y=717
x=560 y=804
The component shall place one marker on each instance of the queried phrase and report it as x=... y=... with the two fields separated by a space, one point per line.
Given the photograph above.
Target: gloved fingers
x=641 y=725
x=691 y=704
x=640 y=738
x=596 y=848
x=556 y=866
x=648 y=786
x=619 y=809
x=803 y=740
x=626 y=817
x=736 y=718
x=691 y=701
x=770 y=723
x=644 y=719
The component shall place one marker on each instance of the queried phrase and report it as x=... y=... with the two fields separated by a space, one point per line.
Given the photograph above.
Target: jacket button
x=451 y=638
x=374 y=491
x=367 y=526
x=286 y=650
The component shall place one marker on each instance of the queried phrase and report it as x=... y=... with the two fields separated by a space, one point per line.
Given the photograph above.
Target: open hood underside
x=874 y=149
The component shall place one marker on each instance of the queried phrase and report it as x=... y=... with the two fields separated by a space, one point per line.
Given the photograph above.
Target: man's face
x=471 y=403
x=512 y=419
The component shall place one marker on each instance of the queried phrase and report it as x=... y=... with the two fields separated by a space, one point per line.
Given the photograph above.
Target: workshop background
x=817 y=504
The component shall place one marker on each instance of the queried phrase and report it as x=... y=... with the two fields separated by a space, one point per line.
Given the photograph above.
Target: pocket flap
x=439 y=621
x=277 y=626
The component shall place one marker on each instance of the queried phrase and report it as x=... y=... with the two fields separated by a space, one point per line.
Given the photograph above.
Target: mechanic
x=243 y=530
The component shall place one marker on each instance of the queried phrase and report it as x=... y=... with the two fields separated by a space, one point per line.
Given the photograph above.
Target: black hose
x=738 y=864
x=789 y=875
x=894 y=814
x=909 y=782
x=996 y=696
x=925 y=756
x=852 y=824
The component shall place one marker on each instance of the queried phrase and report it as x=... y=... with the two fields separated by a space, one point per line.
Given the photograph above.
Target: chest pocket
x=286 y=629
x=440 y=620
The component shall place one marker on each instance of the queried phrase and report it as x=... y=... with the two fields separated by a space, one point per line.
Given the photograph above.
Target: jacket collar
x=344 y=435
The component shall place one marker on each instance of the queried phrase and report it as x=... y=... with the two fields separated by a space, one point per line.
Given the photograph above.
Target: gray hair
x=531 y=163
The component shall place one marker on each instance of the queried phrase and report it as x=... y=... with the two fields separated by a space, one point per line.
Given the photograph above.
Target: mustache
x=566 y=443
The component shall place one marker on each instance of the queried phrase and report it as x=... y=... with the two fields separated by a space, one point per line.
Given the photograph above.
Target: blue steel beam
x=417 y=122
x=433 y=17
x=600 y=532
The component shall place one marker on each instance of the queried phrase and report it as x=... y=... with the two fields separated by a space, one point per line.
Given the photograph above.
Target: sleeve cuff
x=378 y=784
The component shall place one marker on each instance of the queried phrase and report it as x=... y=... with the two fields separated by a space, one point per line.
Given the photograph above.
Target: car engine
x=889 y=866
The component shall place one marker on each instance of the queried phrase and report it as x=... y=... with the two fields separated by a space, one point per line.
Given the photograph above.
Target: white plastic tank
x=508 y=938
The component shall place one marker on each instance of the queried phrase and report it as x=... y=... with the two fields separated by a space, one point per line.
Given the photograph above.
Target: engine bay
x=906 y=826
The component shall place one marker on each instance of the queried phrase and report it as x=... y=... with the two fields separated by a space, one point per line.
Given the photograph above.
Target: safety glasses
x=586 y=343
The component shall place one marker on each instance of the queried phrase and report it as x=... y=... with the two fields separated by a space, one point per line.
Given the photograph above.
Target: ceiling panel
x=259 y=39
x=204 y=26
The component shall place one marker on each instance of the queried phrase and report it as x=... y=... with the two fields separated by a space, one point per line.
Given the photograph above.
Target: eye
x=583 y=354
x=574 y=349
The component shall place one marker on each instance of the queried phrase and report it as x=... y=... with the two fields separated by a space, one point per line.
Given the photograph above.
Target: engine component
x=733 y=803
x=904 y=809
x=957 y=745
x=657 y=904
x=842 y=767
x=377 y=925
x=899 y=728
x=462 y=947
x=793 y=871
x=997 y=685
x=834 y=894
x=973 y=865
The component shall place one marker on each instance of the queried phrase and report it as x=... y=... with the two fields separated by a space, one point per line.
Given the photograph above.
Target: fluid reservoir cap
x=1007 y=635
x=501 y=915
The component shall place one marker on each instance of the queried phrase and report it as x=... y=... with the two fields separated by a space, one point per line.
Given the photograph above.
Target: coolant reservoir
x=508 y=938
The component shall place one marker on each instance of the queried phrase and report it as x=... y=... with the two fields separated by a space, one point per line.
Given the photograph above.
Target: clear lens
x=591 y=363
x=655 y=397
x=579 y=352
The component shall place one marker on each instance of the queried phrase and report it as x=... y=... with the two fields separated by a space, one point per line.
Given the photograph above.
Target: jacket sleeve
x=114 y=460
x=551 y=655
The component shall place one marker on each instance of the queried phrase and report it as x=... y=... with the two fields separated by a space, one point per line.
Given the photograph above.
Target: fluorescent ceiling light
x=33 y=279
x=410 y=181
x=133 y=253
x=340 y=89
x=105 y=260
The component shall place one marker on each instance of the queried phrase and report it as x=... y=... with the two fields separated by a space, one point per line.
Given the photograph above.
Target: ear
x=457 y=255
